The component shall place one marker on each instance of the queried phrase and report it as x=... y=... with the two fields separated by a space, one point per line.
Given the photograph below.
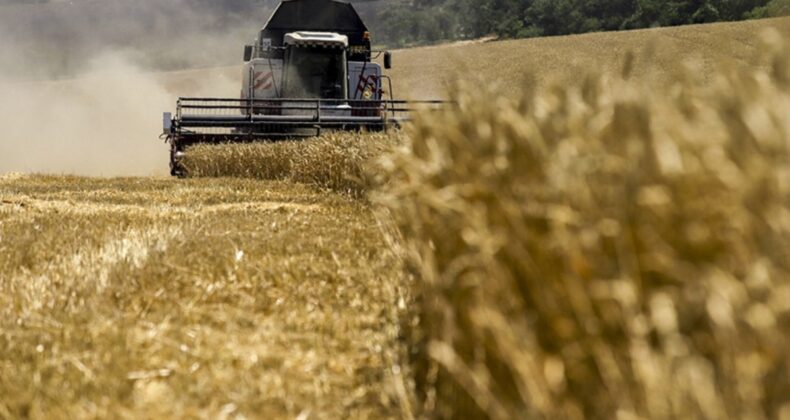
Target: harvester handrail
x=201 y=109
x=297 y=105
x=323 y=108
x=306 y=100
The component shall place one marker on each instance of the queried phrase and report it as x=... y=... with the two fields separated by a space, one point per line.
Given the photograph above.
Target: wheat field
x=603 y=249
x=611 y=247
x=426 y=72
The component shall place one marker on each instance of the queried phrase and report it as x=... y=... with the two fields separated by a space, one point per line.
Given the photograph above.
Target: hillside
x=422 y=73
x=562 y=59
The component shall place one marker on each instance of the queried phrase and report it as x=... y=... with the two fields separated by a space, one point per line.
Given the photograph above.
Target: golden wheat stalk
x=336 y=161
x=604 y=249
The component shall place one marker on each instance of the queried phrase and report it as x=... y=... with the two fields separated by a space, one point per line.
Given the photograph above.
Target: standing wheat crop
x=603 y=250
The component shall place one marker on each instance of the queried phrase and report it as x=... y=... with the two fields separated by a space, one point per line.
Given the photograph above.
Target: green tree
x=557 y=17
x=433 y=20
x=706 y=13
x=609 y=13
x=773 y=9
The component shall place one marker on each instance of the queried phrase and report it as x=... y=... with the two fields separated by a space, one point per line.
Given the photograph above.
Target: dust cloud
x=104 y=123
x=105 y=117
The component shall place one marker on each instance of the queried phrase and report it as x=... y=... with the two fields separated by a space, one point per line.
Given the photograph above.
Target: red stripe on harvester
x=263 y=80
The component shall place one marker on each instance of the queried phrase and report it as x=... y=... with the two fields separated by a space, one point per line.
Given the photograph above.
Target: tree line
x=414 y=21
x=425 y=21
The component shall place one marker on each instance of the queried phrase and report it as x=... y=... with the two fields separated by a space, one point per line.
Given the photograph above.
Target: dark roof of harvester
x=315 y=15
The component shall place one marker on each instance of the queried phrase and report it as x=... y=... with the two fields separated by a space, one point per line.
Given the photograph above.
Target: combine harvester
x=310 y=69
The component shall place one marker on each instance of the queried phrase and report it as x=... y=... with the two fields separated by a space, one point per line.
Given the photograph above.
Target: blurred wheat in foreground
x=607 y=250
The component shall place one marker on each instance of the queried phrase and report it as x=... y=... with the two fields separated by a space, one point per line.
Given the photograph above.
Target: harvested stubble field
x=210 y=298
x=613 y=247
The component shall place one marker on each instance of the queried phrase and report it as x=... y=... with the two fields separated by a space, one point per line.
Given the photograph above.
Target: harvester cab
x=311 y=68
x=316 y=66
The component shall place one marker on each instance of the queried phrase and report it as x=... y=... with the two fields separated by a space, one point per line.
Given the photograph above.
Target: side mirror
x=247 y=52
x=387 y=60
